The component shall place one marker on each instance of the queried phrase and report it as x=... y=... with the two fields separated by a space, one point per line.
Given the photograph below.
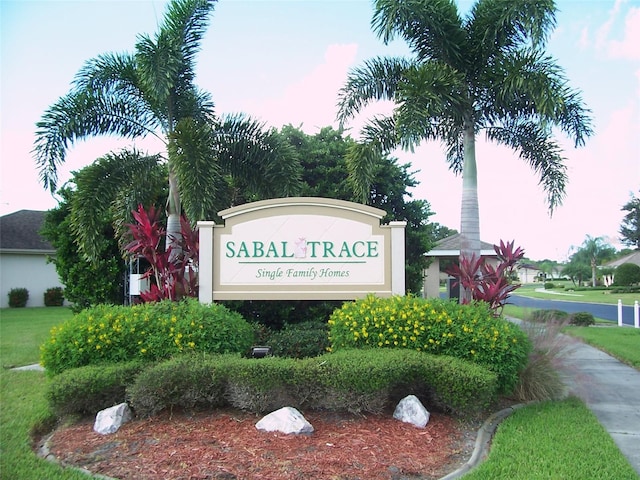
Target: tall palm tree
x=485 y=71
x=152 y=92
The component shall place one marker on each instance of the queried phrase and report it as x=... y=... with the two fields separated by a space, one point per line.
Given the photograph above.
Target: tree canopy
x=486 y=71
x=153 y=92
x=630 y=227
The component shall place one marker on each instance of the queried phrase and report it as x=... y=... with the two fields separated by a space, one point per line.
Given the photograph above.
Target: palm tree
x=595 y=250
x=152 y=92
x=486 y=71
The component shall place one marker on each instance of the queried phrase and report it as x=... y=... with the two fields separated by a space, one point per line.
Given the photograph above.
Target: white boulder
x=411 y=410
x=111 y=419
x=285 y=420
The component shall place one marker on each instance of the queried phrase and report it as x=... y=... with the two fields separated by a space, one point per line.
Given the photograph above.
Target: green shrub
x=87 y=390
x=627 y=274
x=358 y=381
x=548 y=315
x=188 y=381
x=625 y=290
x=262 y=385
x=54 y=297
x=149 y=331
x=299 y=340
x=549 y=285
x=469 y=332
x=582 y=319
x=18 y=297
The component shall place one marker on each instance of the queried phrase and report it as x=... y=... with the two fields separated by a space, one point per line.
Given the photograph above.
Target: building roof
x=633 y=257
x=20 y=232
x=450 y=247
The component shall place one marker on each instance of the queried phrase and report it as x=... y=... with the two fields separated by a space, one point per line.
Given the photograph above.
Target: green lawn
x=545 y=441
x=23 y=330
x=24 y=407
x=553 y=440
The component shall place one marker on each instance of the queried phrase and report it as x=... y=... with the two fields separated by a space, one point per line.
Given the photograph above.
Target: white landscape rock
x=285 y=420
x=111 y=419
x=411 y=410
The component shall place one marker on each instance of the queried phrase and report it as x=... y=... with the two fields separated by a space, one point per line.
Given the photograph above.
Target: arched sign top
x=304 y=202
x=299 y=248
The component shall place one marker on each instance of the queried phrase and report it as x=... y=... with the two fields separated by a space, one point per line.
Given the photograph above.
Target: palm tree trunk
x=469 y=210
x=174 y=232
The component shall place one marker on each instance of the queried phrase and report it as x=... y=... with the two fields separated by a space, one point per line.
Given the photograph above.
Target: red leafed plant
x=488 y=283
x=173 y=271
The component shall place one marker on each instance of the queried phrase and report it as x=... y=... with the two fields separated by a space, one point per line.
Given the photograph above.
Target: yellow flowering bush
x=149 y=331
x=441 y=327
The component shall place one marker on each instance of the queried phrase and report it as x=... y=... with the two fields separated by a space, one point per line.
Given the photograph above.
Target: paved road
x=600 y=310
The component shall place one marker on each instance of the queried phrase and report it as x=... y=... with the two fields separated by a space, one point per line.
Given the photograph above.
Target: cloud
x=629 y=46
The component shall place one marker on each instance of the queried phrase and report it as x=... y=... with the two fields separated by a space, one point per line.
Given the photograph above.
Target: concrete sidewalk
x=611 y=390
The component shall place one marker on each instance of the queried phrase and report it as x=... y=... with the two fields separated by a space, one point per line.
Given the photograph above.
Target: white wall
x=30 y=271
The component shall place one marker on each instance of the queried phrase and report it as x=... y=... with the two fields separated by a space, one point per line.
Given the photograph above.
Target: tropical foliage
x=487 y=283
x=85 y=282
x=174 y=270
x=151 y=92
x=486 y=71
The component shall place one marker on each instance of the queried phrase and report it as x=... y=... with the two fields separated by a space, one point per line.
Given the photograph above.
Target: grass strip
x=552 y=440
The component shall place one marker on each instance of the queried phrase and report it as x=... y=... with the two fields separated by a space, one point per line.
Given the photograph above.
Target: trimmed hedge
x=469 y=332
x=357 y=381
x=87 y=390
x=150 y=331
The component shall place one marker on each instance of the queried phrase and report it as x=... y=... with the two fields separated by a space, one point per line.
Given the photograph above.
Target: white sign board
x=300 y=248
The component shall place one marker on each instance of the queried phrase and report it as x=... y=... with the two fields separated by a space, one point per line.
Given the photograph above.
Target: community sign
x=300 y=248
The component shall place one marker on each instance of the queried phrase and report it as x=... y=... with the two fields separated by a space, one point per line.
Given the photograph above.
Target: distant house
x=446 y=251
x=23 y=257
x=528 y=273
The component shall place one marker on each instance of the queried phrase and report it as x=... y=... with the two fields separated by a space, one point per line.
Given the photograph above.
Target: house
x=445 y=252
x=23 y=257
x=633 y=257
x=528 y=273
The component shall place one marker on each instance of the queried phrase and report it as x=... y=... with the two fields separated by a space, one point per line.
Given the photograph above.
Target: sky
x=284 y=61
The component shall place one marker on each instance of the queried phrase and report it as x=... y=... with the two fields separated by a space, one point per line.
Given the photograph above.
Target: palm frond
x=127 y=176
x=80 y=115
x=193 y=155
x=432 y=28
x=361 y=160
x=261 y=158
x=377 y=80
x=535 y=145
x=496 y=27
x=530 y=85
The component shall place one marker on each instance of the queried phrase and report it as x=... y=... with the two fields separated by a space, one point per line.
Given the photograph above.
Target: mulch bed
x=226 y=445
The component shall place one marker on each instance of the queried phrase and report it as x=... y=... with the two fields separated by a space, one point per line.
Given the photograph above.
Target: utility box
x=137 y=284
